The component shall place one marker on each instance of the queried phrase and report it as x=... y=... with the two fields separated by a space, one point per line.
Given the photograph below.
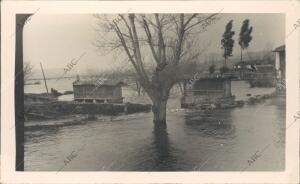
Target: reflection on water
x=221 y=140
x=164 y=159
x=217 y=124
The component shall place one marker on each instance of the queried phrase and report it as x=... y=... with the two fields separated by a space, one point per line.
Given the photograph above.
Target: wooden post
x=44 y=78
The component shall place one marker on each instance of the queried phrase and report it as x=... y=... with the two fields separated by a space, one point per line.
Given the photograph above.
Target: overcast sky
x=55 y=39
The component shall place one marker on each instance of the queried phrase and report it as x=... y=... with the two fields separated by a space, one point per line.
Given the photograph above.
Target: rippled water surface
x=222 y=141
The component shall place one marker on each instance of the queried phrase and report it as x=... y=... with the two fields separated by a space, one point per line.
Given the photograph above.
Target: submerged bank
x=113 y=112
x=65 y=112
x=60 y=109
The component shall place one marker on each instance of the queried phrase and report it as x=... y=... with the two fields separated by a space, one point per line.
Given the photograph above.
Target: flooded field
x=222 y=141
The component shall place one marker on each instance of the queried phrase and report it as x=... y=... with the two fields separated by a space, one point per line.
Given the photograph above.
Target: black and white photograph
x=164 y=92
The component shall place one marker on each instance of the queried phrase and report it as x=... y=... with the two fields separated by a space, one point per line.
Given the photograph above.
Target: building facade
x=208 y=92
x=280 y=69
x=280 y=62
x=98 y=91
x=262 y=76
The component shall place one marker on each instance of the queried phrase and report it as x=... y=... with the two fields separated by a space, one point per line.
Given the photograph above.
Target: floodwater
x=225 y=140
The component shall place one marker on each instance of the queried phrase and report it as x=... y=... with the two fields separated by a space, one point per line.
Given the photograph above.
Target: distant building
x=207 y=91
x=98 y=91
x=262 y=76
x=257 y=73
x=280 y=69
x=280 y=62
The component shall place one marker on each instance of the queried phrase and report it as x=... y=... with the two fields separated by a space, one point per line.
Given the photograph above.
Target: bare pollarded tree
x=167 y=40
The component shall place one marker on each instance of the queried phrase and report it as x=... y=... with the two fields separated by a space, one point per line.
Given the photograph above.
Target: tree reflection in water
x=164 y=161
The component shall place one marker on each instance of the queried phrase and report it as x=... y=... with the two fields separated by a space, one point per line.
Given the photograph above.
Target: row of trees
x=227 y=41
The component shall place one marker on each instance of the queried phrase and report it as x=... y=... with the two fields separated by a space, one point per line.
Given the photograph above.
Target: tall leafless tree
x=168 y=40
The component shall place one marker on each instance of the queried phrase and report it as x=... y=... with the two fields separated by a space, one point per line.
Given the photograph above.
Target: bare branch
x=201 y=21
x=161 y=44
x=190 y=19
x=137 y=50
x=123 y=42
x=150 y=41
x=180 y=39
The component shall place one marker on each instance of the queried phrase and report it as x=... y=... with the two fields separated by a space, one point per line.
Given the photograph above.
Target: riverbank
x=134 y=103
x=85 y=118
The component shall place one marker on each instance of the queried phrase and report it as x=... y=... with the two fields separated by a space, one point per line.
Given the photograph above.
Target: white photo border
x=8 y=11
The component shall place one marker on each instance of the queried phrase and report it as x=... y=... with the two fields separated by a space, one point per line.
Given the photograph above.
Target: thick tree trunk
x=159 y=109
x=138 y=88
x=241 y=54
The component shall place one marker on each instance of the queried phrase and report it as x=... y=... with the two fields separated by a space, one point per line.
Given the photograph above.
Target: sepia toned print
x=140 y=93
x=168 y=92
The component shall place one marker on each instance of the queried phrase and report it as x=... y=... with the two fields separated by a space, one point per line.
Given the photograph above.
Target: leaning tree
x=245 y=36
x=165 y=40
x=227 y=42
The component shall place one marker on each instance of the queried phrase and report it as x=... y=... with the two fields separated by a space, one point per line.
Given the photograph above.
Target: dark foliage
x=212 y=69
x=245 y=34
x=224 y=69
x=227 y=41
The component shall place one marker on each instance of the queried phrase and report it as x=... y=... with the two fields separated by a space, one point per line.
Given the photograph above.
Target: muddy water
x=222 y=141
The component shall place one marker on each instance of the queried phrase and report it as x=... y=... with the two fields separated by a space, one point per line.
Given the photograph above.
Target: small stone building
x=209 y=91
x=98 y=91
x=280 y=69
x=262 y=76
x=280 y=62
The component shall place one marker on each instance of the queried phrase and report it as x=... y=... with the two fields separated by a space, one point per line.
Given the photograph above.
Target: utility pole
x=44 y=78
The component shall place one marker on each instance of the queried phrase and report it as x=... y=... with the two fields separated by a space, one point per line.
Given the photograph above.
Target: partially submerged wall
x=58 y=109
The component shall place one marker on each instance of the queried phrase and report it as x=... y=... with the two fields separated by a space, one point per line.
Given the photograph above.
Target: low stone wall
x=57 y=109
x=131 y=108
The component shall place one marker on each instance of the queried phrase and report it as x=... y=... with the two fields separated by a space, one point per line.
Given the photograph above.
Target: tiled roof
x=99 y=82
x=280 y=48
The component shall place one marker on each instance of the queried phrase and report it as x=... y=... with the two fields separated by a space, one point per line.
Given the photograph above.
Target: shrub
x=212 y=69
x=224 y=69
